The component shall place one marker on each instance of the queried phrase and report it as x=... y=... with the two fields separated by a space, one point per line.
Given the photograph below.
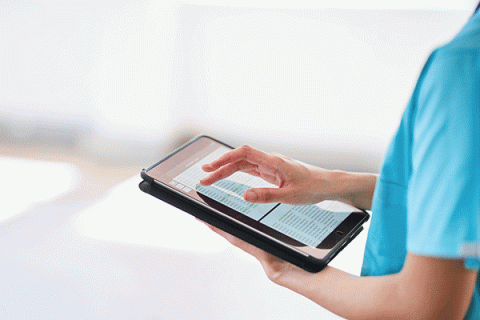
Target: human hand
x=297 y=183
x=277 y=270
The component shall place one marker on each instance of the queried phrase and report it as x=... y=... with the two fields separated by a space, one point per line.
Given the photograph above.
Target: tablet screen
x=319 y=226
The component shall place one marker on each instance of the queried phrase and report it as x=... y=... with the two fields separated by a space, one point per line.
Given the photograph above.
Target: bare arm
x=426 y=287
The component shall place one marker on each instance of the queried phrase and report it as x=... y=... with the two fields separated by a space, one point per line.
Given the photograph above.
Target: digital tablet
x=308 y=236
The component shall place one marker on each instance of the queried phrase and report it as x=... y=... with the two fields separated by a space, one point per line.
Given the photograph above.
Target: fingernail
x=250 y=196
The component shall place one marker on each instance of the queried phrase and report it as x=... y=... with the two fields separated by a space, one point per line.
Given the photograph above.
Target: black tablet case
x=307 y=263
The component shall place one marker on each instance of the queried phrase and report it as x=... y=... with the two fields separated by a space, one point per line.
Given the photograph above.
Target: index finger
x=247 y=153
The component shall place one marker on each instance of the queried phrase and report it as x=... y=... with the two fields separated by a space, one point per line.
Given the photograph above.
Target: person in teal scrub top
x=425 y=202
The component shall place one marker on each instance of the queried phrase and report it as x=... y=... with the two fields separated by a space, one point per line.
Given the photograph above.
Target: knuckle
x=245 y=148
x=246 y=151
x=278 y=162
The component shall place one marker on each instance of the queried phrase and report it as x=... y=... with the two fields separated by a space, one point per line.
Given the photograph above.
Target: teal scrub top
x=427 y=197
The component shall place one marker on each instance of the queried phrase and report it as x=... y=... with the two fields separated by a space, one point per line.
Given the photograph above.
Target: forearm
x=355 y=189
x=427 y=288
x=344 y=294
x=353 y=297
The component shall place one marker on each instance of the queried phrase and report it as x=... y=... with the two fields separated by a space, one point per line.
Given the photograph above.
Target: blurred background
x=123 y=82
x=91 y=92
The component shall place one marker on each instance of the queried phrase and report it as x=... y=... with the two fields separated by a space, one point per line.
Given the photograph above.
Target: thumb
x=266 y=195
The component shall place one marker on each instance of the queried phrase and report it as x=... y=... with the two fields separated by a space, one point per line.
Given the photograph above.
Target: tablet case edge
x=307 y=263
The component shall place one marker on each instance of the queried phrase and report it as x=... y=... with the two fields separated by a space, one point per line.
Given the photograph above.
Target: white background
x=125 y=81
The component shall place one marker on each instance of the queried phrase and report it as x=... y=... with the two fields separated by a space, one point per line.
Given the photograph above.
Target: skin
x=425 y=288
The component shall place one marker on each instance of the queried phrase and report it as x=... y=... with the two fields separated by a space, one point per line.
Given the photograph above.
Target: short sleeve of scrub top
x=443 y=197
x=427 y=197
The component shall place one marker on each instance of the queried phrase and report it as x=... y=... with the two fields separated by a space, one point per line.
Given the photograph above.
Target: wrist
x=352 y=188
